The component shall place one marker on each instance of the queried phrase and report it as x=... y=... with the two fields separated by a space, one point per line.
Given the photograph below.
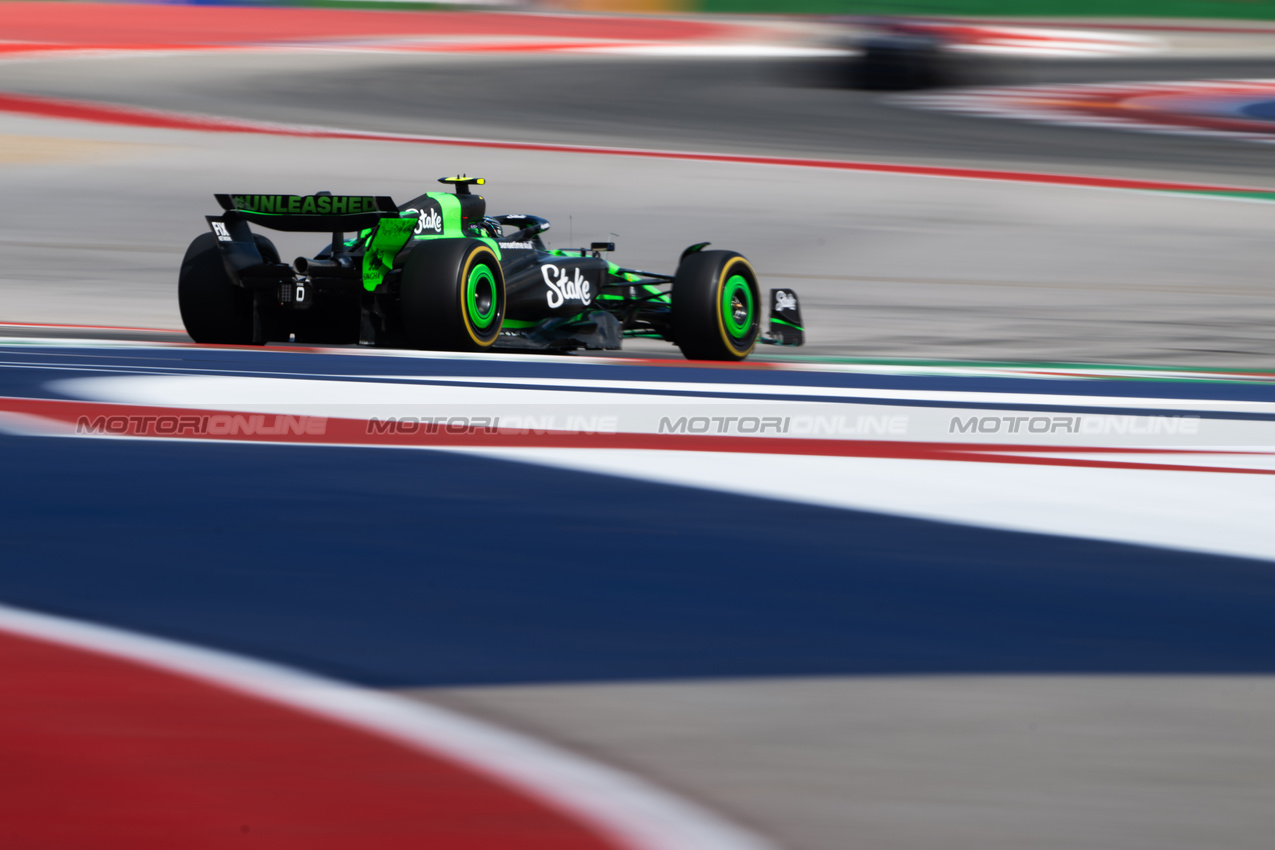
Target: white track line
x=622 y=807
x=266 y=394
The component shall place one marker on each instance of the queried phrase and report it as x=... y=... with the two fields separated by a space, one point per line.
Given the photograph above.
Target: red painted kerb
x=103 y=753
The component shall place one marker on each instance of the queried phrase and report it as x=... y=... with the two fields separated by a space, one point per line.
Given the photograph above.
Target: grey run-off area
x=935 y=763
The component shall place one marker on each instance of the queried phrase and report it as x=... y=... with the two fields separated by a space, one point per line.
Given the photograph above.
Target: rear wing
x=318 y=213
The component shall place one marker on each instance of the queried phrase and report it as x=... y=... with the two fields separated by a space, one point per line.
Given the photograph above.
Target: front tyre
x=452 y=295
x=716 y=306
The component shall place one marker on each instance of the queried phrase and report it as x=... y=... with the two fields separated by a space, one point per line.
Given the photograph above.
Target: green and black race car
x=439 y=273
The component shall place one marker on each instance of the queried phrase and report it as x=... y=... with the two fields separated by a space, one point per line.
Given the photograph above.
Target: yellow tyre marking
x=717 y=302
x=464 y=302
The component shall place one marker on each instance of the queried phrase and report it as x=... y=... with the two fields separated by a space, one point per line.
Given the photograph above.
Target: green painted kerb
x=737 y=285
x=481 y=282
x=1243 y=194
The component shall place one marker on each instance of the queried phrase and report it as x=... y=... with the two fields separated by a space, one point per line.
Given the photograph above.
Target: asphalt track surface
x=1129 y=683
x=889 y=266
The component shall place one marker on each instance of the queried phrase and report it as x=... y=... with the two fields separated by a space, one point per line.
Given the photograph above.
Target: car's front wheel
x=716 y=306
x=452 y=295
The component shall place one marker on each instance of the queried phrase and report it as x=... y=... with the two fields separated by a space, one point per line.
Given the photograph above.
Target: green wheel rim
x=480 y=296
x=737 y=306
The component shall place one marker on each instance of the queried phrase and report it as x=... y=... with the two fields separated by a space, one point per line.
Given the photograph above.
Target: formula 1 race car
x=439 y=273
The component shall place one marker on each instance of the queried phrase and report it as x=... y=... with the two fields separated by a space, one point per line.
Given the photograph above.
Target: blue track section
x=26 y=371
x=403 y=567
x=1263 y=110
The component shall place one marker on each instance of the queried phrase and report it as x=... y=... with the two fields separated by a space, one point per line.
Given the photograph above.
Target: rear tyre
x=716 y=306
x=213 y=309
x=452 y=295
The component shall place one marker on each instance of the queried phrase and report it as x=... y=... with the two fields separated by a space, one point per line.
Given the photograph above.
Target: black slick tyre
x=213 y=309
x=452 y=295
x=716 y=306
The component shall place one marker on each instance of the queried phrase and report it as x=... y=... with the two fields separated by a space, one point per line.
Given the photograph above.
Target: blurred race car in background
x=912 y=53
x=439 y=273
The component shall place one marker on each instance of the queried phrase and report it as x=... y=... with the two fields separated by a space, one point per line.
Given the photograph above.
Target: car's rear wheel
x=716 y=306
x=452 y=295
x=213 y=309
